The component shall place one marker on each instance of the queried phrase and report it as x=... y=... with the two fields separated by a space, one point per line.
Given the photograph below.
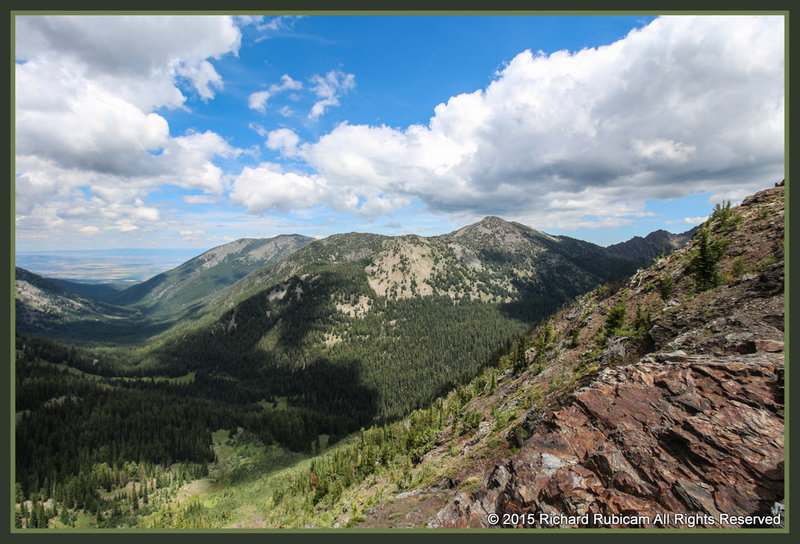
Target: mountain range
x=462 y=358
x=205 y=284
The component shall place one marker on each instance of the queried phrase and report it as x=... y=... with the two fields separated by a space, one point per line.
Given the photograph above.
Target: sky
x=193 y=131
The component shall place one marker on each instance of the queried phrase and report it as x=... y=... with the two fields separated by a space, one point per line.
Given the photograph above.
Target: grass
x=470 y=485
x=239 y=489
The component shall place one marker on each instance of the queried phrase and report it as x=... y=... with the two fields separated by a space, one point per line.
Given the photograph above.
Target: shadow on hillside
x=533 y=302
x=96 y=332
x=335 y=387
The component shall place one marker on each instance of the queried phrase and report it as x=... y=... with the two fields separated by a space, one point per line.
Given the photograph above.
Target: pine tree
x=33 y=521
x=65 y=517
x=704 y=262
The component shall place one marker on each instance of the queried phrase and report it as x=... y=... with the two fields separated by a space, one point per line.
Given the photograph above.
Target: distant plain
x=121 y=266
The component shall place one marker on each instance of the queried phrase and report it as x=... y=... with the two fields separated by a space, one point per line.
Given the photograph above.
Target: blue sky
x=194 y=131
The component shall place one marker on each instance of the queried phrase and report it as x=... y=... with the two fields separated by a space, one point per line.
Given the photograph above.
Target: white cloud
x=286 y=84
x=258 y=100
x=246 y=20
x=682 y=106
x=283 y=140
x=192 y=234
x=260 y=130
x=199 y=199
x=89 y=229
x=328 y=89
x=663 y=150
x=203 y=76
x=695 y=220
x=89 y=145
x=267 y=187
x=282 y=22
x=136 y=58
x=84 y=126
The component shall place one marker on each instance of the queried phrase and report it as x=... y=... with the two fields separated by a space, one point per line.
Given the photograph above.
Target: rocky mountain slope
x=95 y=313
x=657 y=243
x=195 y=282
x=103 y=292
x=660 y=394
x=45 y=308
x=491 y=261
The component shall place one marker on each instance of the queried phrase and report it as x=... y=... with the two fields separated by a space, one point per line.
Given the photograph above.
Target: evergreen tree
x=704 y=262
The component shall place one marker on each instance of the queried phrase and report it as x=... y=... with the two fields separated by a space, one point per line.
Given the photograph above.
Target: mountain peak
x=491 y=224
x=493 y=220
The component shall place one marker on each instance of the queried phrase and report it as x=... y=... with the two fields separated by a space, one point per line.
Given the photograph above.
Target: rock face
x=671 y=434
x=693 y=425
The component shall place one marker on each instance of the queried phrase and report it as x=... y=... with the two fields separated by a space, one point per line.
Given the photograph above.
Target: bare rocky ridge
x=670 y=434
x=684 y=417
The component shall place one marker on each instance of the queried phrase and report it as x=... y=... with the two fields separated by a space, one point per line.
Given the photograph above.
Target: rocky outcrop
x=670 y=434
x=688 y=433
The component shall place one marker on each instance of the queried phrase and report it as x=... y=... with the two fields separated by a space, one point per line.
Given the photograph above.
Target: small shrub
x=574 y=337
x=471 y=421
x=765 y=262
x=739 y=267
x=470 y=485
x=641 y=323
x=616 y=316
x=666 y=287
x=723 y=217
x=518 y=435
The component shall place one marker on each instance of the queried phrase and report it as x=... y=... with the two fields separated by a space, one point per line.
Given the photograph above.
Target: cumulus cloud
x=681 y=106
x=283 y=140
x=268 y=187
x=200 y=199
x=258 y=100
x=687 y=220
x=188 y=160
x=203 y=76
x=286 y=84
x=328 y=89
x=136 y=58
x=90 y=145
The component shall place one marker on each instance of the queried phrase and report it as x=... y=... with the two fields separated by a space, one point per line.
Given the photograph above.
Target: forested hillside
x=409 y=316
